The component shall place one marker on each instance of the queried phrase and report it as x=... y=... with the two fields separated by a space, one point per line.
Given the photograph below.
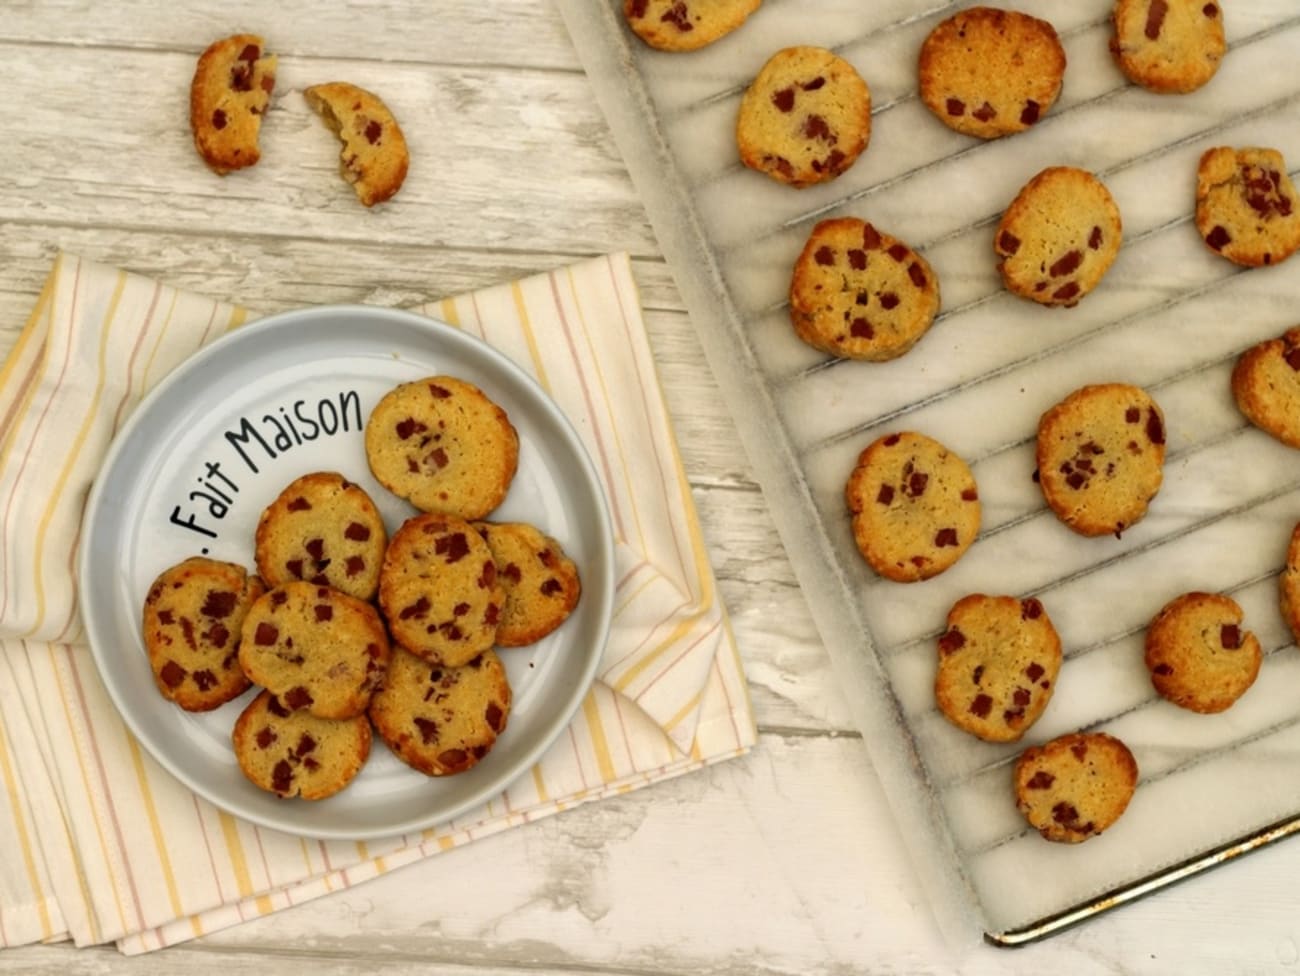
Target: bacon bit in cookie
x=419 y=610
x=1030 y=114
x=1162 y=669
x=275 y=708
x=460 y=609
x=1066 y=264
x=298 y=697
x=1008 y=243
x=218 y=635
x=981 y=706
x=916 y=274
x=888 y=300
x=305 y=745
x=860 y=328
x=945 y=537
x=1155 y=429
x=1230 y=637
x=294 y=566
x=919 y=561
x=1031 y=609
x=970 y=495
x=893 y=439
x=1067 y=291
x=1021 y=697
x=439 y=457
x=639 y=8
x=1034 y=671
x=512 y=573
x=916 y=484
x=858 y=260
x=1155 y=18
x=187 y=629
x=898 y=252
x=324 y=612
x=831 y=164
x=679 y=17
x=299 y=504
x=1080 y=750
x=265 y=736
x=1065 y=813
x=315 y=548
x=977 y=674
x=172 y=674
x=218 y=604
x=781 y=165
x=955 y=107
x=870 y=238
x=815 y=127
x=824 y=256
x=165 y=616
x=1076 y=479
x=218 y=119
x=1094 y=239
x=1219 y=237
x=1292 y=358
x=311 y=764
x=784 y=99
x=862 y=298
x=813 y=85
x=373 y=131
x=886 y=494
x=455 y=547
x=953 y=640
x=489 y=574
x=491 y=615
x=453 y=758
x=357 y=532
x=282 y=777
x=493 y=716
x=205 y=679
x=1210 y=10
x=985 y=113
x=439 y=392
x=551 y=587
x=1041 y=780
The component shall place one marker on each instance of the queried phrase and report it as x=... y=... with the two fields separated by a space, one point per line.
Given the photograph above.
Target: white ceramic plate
x=217 y=440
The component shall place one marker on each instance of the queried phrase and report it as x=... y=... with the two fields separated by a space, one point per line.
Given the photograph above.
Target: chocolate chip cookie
x=293 y=753
x=229 y=94
x=540 y=582
x=1076 y=786
x=685 y=25
x=1168 y=46
x=1246 y=206
x=1198 y=653
x=374 y=158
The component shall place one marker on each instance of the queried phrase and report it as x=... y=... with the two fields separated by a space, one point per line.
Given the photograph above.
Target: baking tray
x=1170 y=316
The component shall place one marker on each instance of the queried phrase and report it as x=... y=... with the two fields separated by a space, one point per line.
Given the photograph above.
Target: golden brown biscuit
x=374 y=157
x=1246 y=206
x=1289 y=585
x=1266 y=386
x=229 y=94
x=1076 y=786
x=293 y=753
x=1199 y=655
x=541 y=583
x=1168 y=45
x=685 y=25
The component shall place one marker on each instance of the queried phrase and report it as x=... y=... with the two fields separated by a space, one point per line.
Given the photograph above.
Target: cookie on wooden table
x=805 y=119
x=231 y=88
x=1289 y=585
x=998 y=662
x=1075 y=786
x=438 y=719
x=315 y=648
x=293 y=753
x=685 y=25
x=1266 y=386
x=1061 y=233
x=540 y=581
x=192 y=618
x=989 y=72
x=859 y=293
x=914 y=504
x=324 y=529
x=374 y=157
x=1246 y=207
x=1198 y=653
x=1168 y=46
x=1101 y=455
x=444 y=446
x=439 y=590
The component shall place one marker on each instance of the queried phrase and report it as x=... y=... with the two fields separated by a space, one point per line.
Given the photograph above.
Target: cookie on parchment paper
x=686 y=25
x=1266 y=386
x=805 y=119
x=989 y=72
x=293 y=753
x=540 y=581
x=374 y=157
x=229 y=94
x=1075 y=786
x=1246 y=207
x=859 y=293
x=1168 y=46
x=1198 y=653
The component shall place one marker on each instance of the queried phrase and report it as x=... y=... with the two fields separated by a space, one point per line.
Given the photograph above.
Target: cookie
x=439 y=590
x=541 y=583
x=1246 y=206
x=805 y=119
x=441 y=444
x=293 y=753
x=1061 y=233
x=229 y=94
x=1101 y=455
x=315 y=648
x=1168 y=46
x=998 y=662
x=988 y=72
x=1076 y=786
x=438 y=719
x=374 y=157
x=192 y=618
x=1199 y=656
x=1289 y=585
x=324 y=529
x=1266 y=386
x=860 y=294
x=685 y=25
x=915 y=506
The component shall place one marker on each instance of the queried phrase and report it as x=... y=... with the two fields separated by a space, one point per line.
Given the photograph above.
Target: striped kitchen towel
x=103 y=839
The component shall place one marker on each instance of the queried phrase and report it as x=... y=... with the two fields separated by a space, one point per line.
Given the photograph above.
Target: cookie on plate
x=998 y=662
x=685 y=25
x=374 y=157
x=1289 y=585
x=1061 y=233
x=1266 y=386
x=444 y=446
x=438 y=719
x=1168 y=46
x=805 y=119
x=1246 y=206
x=989 y=72
x=1101 y=455
x=859 y=293
x=192 y=618
x=232 y=85
x=324 y=529
x=540 y=581
x=439 y=590
x=293 y=753
x=1074 y=787
x=1199 y=655
x=914 y=504
x=315 y=648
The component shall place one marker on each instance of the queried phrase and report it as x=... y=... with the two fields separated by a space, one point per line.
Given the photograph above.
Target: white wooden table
x=787 y=861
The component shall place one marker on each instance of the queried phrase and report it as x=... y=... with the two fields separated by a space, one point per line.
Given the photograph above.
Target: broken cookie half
x=374 y=157
x=232 y=85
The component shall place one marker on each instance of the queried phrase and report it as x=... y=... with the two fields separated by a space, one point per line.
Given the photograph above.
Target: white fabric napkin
x=108 y=847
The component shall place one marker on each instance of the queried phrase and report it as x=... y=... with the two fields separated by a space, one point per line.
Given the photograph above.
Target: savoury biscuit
x=441 y=444
x=232 y=85
x=915 y=506
x=541 y=583
x=685 y=25
x=1168 y=46
x=805 y=118
x=374 y=157
x=315 y=648
x=998 y=662
x=293 y=753
x=988 y=72
x=1101 y=455
x=1289 y=585
x=192 y=618
x=1266 y=386
x=438 y=719
x=324 y=529
x=1199 y=656
x=1061 y=233
x=1246 y=206
x=439 y=590
x=1076 y=786
x=859 y=293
